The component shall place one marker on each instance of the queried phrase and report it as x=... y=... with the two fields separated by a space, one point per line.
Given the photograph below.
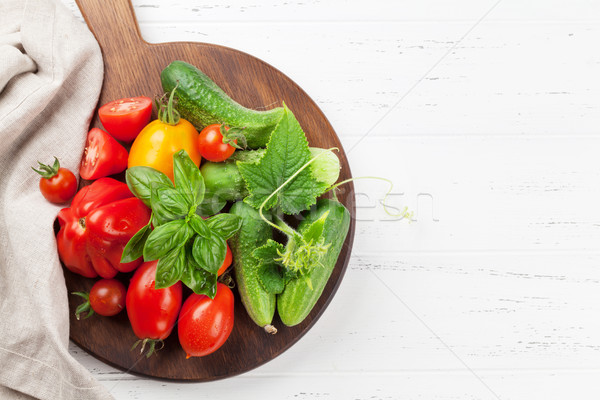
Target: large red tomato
x=95 y=229
x=205 y=323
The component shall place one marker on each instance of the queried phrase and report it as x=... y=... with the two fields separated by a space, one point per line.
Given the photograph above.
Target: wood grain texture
x=132 y=68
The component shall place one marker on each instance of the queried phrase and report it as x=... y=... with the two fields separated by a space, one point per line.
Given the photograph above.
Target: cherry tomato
x=107 y=298
x=157 y=142
x=57 y=184
x=205 y=323
x=124 y=119
x=210 y=143
x=152 y=312
x=227 y=262
x=103 y=156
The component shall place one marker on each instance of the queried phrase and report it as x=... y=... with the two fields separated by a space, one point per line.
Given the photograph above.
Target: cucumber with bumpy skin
x=254 y=233
x=301 y=294
x=203 y=102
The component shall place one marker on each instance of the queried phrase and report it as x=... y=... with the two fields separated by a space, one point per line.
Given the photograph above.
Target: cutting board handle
x=113 y=23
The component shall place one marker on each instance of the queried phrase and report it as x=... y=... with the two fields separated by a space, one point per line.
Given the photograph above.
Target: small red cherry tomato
x=124 y=119
x=205 y=323
x=210 y=143
x=58 y=185
x=227 y=262
x=103 y=156
x=107 y=298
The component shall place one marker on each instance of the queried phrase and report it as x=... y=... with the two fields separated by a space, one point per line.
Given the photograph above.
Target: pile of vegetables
x=181 y=221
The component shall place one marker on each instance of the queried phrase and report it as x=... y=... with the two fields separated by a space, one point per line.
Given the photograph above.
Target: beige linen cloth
x=50 y=78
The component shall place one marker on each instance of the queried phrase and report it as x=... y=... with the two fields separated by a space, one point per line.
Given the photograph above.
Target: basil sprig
x=187 y=247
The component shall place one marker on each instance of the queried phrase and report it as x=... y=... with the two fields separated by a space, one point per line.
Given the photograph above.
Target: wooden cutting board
x=132 y=68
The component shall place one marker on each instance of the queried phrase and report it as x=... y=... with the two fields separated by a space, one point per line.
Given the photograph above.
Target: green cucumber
x=202 y=102
x=298 y=298
x=223 y=180
x=254 y=233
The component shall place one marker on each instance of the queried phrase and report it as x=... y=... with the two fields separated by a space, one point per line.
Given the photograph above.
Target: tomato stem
x=167 y=113
x=47 y=171
x=84 y=307
x=152 y=349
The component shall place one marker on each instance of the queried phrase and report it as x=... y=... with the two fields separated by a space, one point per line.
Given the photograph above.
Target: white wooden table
x=486 y=115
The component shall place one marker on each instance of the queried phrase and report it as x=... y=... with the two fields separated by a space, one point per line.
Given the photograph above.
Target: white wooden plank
x=444 y=386
x=507 y=77
x=474 y=193
x=499 y=315
x=353 y=10
x=496 y=81
x=496 y=151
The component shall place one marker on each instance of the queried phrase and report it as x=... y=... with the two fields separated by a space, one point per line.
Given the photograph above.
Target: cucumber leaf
x=303 y=252
x=286 y=153
x=270 y=278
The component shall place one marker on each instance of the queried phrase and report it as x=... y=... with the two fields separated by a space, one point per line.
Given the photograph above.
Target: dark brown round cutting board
x=132 y=68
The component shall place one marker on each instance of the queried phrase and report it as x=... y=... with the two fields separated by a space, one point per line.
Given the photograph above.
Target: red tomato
x=95 y=229
x=125 y=118
x=152 y=312
x=103 y=156
x=205 y=323
x=57 y=184
x=227 y=262
x=107 y=297
x=210 y=143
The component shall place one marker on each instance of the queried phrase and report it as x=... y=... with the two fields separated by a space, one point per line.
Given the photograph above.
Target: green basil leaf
x=271 y=278
x=210 y=207
x=166 y=237
x=199 y=226
x=224 y=225
x=140 y=181
x=200 y=281
x=188 y=179
x=209 y=252
x=135 y=247
x=167 y=205
x=170 y=268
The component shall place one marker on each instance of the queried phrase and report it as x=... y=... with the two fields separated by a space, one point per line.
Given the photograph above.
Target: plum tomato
x=227 y=262
x=204 y=323
x=152 y=312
